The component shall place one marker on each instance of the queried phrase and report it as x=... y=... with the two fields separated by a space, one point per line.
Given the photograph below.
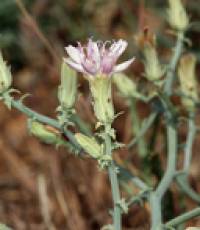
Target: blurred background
x=76 y=194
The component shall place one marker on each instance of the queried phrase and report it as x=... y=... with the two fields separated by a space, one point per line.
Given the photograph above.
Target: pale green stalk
x=43 y=119
x=171 y=161
x=173 y=63
x=183 y=218
x=114 y=186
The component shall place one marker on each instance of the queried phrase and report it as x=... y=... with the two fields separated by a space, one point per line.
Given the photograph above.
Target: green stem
x=17 y=104
x=172 y=65
x=114 y=186
x=171 y=161
x=183 y=183
x=156 y=215
x=157 y=195
x=183 y=218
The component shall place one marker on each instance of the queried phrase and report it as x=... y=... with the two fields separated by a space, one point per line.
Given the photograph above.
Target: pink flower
x=96 y=58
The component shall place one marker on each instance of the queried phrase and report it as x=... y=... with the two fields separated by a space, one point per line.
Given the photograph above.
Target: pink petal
x=119 y=48
x=121 y=67
x=93 y=52
x=74 y=65
x=90 y=67
x=107 y=64
x=73 y=53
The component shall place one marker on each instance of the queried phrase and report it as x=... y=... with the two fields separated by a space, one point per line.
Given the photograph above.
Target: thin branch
x=171 y=161
x=183 y=218
x=174 y=61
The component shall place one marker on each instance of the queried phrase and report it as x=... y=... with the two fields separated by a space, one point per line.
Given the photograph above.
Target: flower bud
x=177 y=16
x=100 y=88
x=89 y=145
x=45 y=134
x=5 y=76
x=187 y=78
x=153 y=69
x=125 y=85
x=146 y=42
x=67 y=91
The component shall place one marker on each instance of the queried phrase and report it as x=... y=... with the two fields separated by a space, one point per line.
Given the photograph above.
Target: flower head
x=97 y=58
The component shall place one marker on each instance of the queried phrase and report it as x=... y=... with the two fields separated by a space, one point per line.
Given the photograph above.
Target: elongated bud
x=48 y=136
x=125 y=85
x=100 y=88
x=146 y=42
x=5 y=75
x=89 y=144
x=153 y=69
x=67 y=91
x=187 y=78
x=177 y=16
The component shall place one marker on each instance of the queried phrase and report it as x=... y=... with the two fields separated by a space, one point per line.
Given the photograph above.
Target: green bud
x=67 y=91
x=100 y=88
x=89 y=144
x=187 y=78
x=5 y=75
x=46 y=135
x=125 y=85
x=153 y=68
x=177 y=16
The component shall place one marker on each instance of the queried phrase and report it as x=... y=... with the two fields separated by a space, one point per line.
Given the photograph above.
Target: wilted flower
x=96 y=58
